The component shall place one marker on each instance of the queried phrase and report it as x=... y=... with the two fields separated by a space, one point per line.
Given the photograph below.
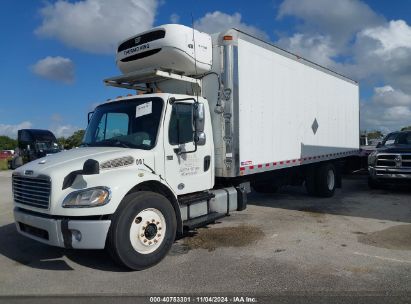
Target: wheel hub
x=147 y=230
x=150 y=231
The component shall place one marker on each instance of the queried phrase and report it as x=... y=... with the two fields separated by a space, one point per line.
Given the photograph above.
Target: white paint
x=279 y=99
x=382 y=258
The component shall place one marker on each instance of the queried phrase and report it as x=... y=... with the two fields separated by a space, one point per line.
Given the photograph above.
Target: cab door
x=188 y=167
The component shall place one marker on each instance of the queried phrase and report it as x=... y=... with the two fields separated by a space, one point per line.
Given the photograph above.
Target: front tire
x=142 y=230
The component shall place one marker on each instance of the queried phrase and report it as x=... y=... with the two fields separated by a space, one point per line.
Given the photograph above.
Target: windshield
x=403 y=138
x=390 y=139
x=47 y=145
x=132 y=123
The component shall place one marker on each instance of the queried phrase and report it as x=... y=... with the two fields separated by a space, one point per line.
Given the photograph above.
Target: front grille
x=32 y=191
x=386 y=160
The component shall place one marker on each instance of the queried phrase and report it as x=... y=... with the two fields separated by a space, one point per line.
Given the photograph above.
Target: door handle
x=207 y=162
x=169 y=157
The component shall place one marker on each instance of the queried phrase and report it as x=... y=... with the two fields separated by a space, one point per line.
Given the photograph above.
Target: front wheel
x=142 y=230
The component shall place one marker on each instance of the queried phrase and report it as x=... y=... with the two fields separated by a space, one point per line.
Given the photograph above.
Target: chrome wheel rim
x=330 y=179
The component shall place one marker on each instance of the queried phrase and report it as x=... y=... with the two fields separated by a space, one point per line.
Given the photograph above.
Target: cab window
x=181 y=124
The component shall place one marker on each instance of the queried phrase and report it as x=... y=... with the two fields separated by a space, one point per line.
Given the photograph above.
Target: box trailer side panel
x=291 y=113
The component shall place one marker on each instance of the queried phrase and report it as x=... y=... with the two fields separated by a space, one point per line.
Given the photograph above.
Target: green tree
x=375 y=134
x=7 y=143
x=74 y=140
x=62 y=142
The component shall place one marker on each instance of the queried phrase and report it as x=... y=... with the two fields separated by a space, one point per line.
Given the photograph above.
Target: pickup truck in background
x=390 y=163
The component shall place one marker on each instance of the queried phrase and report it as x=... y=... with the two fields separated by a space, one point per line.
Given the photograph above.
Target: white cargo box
x=285 y=111
x=168 y=47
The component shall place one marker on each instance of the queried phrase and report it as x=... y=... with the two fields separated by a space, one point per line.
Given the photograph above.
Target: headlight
x=372 y=158
x=92 y=197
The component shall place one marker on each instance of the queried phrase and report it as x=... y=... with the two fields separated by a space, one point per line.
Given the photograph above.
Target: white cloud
x=349 y=37
x=96 y=26
x=55 y=68
x=316 y=48
x=174 y=18
x=11 y=130
x=217 y=22
x=391 y=36
x=338 y=19
x=384 y=53
x=386 y=95
x=389 y=109
x=64 y=130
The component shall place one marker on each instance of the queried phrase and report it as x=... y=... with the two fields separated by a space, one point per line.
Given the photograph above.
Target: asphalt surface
x=358 y=242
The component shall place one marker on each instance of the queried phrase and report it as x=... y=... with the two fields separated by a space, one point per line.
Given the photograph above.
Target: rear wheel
x=326 y=180
x=142 y=230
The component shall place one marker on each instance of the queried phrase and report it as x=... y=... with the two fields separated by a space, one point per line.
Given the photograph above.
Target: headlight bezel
x=73 y=196
x=372 y=158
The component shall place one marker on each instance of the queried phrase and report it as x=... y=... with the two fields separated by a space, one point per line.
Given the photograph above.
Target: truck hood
x=395 y=149
x=74 y=159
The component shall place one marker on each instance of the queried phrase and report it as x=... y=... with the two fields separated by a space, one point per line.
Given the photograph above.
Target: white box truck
x=212 y=115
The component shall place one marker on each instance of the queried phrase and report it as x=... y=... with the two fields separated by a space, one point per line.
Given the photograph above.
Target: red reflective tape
x=251 y=167
x=287 y=162
x=294 y=160
x=267 y=165
x=260 y=166
x=274 y=164
x=281 y=162
x=242 y=168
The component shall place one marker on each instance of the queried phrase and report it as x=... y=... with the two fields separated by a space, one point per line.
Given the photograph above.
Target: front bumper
x=389 y=173
x=66 y=233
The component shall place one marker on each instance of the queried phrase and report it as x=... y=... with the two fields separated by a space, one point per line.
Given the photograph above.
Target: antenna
x=195 y=59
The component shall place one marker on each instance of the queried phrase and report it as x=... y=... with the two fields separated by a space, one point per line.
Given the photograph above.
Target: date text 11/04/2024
x=204 y=299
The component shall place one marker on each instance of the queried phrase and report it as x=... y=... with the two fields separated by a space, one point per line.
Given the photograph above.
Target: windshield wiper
x=121 y=143
x=110 y=143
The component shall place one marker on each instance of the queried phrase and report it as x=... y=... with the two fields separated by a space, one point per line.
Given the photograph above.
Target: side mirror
x=199 y=116
x=89 y=115
x=379 y=145
x=200 y=138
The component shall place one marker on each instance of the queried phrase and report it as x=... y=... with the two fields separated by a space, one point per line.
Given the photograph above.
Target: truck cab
x=144 y=165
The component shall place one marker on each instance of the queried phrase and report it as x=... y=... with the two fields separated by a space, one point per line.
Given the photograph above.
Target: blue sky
x=55 y=54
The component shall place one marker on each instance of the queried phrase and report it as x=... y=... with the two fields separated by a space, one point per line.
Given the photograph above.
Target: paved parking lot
x=358 y=241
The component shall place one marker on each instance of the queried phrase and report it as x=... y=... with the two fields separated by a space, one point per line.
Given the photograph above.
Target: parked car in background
x=6 y=154
x=391 y=161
